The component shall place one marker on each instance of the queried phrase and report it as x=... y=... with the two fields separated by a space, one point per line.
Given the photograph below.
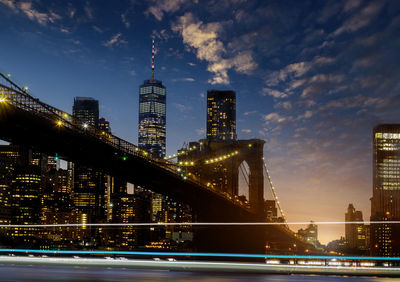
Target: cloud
x=351 y=4
x=164 y=6
x=360 y=19
x=319 y=83
x=10 y=4
x=115 y=40
x=191 y=64
x=274 y=93
x=246 y=131
x=249 y=113
x=182 y=108
x=28 y=10
x=88 y=11
x=297 y=70
x=97 y=29
x=188 y=79
x=287 y=105
x=276 y=118
x=125 y=21
x=204 y=40
x=161 y=34
x=64 y=30
x=306 y=115
x=200 y=131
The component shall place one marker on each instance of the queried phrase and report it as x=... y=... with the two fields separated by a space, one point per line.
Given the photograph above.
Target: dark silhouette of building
x=385 y=201
x=271 y=212
x=309 y=234
x=152 y=115
x=86 y=109
x=357 y=236
x=221 y=115
x=90 y=185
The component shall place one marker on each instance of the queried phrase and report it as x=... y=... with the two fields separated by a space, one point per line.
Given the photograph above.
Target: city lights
x=280 y=119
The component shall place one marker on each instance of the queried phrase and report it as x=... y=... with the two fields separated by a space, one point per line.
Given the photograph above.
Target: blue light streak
x=189 y=254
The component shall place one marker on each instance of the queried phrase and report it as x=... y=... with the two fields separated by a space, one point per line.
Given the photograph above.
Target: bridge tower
x=216 y=164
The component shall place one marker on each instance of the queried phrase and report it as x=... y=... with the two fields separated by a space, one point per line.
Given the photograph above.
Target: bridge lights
x=85 y=125
x=59 y=123
x=3 y=99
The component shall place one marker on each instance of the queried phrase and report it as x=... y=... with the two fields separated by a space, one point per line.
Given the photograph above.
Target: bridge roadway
x=25 y=120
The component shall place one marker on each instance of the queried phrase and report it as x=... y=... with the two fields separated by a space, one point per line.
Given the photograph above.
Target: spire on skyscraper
x=152 y=63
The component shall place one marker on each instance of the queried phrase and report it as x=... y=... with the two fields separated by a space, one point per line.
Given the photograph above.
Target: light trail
x=193 y=254
x=223 y=267
x=193 y=224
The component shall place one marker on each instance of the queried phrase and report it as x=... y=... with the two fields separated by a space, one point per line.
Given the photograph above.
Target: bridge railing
x=19 y=97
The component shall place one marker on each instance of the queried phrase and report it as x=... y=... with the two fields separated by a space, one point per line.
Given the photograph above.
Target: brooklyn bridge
x=205 y=175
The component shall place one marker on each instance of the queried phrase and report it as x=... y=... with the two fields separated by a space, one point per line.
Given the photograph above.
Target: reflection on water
x=57 y=273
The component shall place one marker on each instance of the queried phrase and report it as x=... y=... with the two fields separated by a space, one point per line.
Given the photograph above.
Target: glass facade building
x=221 y=115
x=86 y=109
x=152 y=117
x=385 y=202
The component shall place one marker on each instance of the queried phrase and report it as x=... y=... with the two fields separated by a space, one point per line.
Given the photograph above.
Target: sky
x=312 y=79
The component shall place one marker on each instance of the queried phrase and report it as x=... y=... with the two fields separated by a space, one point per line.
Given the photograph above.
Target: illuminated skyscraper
x=221 y=115
x=86 y=109
x=25 y=201
x=385 y=201
x=152 y=115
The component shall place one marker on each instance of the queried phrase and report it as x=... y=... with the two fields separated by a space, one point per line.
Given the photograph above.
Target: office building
x=152 y=115
x=104 y=125
x=309 y=234
x=385 y=201
x=221 y=115
x=356 y=233
x=86 y=109
x=25 y=201
x=89 y=183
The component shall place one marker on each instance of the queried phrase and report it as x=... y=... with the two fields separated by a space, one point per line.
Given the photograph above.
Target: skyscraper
x=86 y=109
x=221 y=115
x=385 y=201
x=89 y=183
x=356 y=234
x=152 y=115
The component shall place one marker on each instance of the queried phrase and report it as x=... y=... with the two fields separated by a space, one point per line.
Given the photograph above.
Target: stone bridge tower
x=216 y=164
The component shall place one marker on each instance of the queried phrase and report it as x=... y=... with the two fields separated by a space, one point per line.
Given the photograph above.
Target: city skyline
x=326 y=77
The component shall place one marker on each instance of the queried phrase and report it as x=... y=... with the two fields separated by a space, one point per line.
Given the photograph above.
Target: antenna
x=152 y=63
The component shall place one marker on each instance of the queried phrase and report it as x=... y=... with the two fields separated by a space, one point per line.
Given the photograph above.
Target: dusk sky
x=312 y=78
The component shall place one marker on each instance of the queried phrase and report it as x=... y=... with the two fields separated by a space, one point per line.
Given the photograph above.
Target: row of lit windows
x=152 y=107
x=387 y=135
x=152 y=89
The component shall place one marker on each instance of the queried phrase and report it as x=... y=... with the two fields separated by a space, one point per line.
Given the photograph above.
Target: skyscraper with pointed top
x=152 y=114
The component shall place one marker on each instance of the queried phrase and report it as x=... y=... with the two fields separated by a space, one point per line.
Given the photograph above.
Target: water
x=66 y=273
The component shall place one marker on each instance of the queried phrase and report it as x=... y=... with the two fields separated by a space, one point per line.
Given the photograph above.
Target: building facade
x=86 y=109
x=221 y=115
x=152 y=117
x=90 y=185
x=385 y=201
x=356 y=233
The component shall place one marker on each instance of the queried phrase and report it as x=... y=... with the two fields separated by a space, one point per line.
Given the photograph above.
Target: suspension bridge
x=28 y=121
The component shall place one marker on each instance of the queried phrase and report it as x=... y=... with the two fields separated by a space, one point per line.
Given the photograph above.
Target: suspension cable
x=244 y=174
x=274 y=194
